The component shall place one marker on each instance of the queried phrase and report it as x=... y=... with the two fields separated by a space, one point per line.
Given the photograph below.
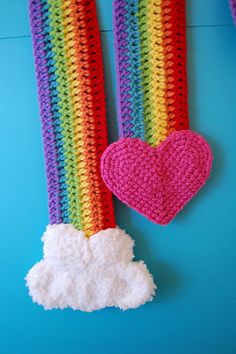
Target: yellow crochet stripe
x=153 y=64
x=157 y=71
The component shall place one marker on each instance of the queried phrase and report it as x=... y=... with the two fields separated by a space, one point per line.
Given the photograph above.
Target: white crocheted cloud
x=88 y=274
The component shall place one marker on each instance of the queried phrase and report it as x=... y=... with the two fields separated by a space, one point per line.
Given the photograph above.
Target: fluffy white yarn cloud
x=88 y=274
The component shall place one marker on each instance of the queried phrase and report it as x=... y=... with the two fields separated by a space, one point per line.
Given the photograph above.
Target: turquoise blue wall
x=193 y=260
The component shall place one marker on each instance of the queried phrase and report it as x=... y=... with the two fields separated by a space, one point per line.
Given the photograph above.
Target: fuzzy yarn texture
x=89 y=273
x=157 y=182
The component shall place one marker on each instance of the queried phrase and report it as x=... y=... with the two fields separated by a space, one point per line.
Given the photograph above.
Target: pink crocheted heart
x=157 y=182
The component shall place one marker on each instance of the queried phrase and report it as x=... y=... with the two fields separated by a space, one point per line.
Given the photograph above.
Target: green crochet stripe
x=65 y=109
x=145 y=52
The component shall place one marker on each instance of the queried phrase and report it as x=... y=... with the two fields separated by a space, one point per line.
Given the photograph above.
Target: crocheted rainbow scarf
x=76 y=271
x=150 y=46
x=68 y=60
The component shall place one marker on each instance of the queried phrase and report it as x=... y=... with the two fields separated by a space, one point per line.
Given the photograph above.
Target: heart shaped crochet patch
x=157 y=182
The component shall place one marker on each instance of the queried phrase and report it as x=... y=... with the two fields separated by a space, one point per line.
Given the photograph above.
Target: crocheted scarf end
x=89 y=273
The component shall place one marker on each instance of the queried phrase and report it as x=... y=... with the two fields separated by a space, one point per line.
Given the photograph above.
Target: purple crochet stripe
x=52 y=170
x=233 y=9
x=122 y=74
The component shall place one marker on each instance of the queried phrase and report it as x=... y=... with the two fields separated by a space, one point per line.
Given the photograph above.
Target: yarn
x=158 y=165
x=150 y=53
x=157 y=182
x=89 y=273
x=68 y=60
x=77 y=271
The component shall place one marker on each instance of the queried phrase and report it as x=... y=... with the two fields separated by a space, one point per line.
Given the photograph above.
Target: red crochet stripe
x=174 y=24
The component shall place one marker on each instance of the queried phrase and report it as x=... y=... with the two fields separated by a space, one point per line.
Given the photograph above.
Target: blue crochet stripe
x=56 y=113
x=134 y=54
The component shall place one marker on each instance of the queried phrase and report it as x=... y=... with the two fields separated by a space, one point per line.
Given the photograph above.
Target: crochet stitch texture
x=150 y=47
x=69 y=68
x=77 y=271
x=158 y=165
x=157 y=182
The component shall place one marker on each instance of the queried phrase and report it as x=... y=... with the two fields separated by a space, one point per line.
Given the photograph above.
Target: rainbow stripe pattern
x=68 y=60
x=150 y=52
